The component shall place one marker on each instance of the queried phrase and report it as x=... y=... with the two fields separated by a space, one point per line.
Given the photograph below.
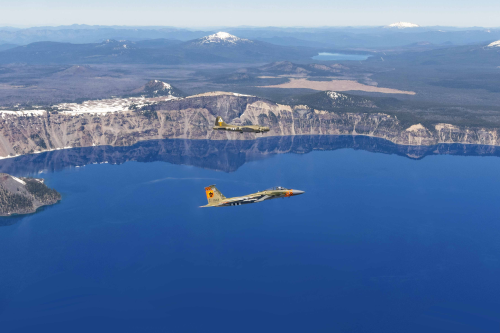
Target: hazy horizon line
x=20 y=27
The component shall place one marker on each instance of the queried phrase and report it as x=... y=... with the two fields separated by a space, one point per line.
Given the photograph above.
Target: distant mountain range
x=219 y=47
x=4 y=47
x=93 y=34
x=392 y=35
x=468 y=55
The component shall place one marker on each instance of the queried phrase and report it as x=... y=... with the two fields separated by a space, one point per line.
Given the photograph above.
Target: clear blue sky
x=197 y=13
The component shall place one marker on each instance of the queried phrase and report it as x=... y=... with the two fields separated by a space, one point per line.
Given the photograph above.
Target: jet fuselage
x=217 y=199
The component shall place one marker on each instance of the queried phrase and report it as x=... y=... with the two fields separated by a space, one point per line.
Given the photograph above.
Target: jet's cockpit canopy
x=277 y=188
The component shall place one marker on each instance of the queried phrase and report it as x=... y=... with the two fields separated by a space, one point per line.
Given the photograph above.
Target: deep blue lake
x=340 y=56
x=378 y=243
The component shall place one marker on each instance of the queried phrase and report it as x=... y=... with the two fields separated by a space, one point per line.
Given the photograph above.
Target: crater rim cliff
x=192 y=117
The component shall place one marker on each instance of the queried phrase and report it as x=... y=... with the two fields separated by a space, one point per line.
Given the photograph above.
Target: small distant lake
x=340 y=56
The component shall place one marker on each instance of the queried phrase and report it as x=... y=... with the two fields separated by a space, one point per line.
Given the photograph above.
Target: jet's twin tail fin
x=214 y=196
x=219 y=121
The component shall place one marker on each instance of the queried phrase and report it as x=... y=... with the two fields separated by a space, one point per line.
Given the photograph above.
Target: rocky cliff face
x=193 y=118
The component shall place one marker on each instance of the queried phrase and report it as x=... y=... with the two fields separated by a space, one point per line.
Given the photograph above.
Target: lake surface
x=385 y=239
x=340 y=56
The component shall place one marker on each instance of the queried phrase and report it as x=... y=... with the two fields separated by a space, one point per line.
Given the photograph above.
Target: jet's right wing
x=244 y=200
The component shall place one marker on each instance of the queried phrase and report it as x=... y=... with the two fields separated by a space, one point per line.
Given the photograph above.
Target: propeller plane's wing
x=220 y=124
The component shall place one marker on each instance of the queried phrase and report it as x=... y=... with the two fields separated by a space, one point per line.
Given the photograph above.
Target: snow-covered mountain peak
x=159 y=84
x=335 y=95
x=155 y=88
x=222 y=37
x=494 y=44
x=403 y=25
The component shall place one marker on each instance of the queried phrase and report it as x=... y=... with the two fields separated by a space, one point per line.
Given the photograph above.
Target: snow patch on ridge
x=164 y=84
x=236 y=94
x=161 y=86
x=104 y=106
x=494 y=44
x=403 y=25
x=449 y=127
x=415 y=128
x=23 y=113
x=335 y=95
x=18 y=180
x=219 y=93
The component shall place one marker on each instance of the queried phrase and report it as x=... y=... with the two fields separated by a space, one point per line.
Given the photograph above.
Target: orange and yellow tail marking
x=210 y=192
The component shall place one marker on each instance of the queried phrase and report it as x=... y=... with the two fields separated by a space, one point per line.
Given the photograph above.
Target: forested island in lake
x=24 y=195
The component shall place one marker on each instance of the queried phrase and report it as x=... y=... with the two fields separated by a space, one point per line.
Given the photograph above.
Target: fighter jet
x=221 y=125
x=217 y=199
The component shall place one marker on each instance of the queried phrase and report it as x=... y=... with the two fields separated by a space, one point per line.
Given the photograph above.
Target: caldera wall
x=193 y=118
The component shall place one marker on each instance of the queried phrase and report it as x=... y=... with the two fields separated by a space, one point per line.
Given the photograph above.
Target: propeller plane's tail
x=219 y=121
